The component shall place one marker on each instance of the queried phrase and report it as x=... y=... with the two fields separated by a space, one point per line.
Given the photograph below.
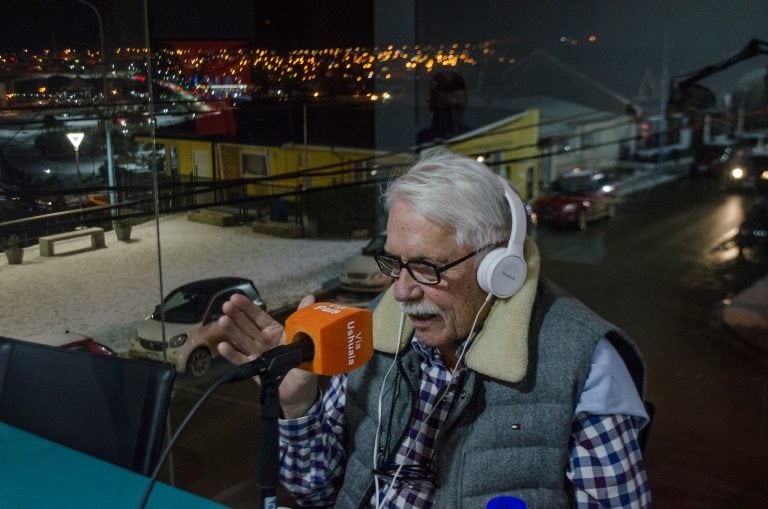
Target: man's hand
x=250 y=332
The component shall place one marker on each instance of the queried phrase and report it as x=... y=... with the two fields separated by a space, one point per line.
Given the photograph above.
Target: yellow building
x=510 y=147
x=270 y=169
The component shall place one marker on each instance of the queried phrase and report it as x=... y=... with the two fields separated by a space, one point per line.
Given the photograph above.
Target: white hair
x=458 y=193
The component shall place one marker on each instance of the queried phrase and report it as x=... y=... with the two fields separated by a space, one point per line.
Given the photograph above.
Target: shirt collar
x=431 y=355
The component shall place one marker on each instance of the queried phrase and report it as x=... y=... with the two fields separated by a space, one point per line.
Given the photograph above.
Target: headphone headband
x=519 y=217
x=502 y=272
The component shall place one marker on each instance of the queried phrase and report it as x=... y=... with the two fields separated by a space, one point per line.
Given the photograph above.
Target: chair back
x=106 y=406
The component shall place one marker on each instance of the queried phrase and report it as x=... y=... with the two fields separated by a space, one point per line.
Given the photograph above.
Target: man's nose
x=407 y=288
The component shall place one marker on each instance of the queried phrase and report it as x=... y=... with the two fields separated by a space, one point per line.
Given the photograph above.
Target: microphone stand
x=278 y=362
x=271 y=367
x=268 y=451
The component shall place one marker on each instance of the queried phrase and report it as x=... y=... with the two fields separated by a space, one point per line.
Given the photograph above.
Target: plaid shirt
x=606 y=467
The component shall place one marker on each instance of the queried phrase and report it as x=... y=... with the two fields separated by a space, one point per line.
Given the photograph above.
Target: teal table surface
x=38 y=473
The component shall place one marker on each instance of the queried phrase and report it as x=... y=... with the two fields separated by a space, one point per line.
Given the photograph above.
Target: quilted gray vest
x=500 y=438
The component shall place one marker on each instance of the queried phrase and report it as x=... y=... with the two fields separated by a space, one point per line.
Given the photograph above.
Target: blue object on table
x=35 y=472
x=505 y=503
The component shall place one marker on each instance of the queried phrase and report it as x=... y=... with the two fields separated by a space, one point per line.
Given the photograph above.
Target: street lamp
x=75 y=139
x=107 y=120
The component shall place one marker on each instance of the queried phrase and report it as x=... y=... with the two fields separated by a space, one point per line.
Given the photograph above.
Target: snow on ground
x=105 y=292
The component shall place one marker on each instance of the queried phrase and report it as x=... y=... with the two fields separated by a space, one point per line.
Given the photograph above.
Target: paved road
x=660 y=270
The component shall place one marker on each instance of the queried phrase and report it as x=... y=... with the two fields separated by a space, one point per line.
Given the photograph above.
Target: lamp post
x=107 y=119
x=75 y=139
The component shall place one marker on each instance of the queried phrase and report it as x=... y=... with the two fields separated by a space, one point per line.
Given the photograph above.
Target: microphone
x=323 y=338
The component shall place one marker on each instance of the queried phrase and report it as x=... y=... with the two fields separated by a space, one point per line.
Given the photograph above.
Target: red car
x=72 y=341
x=576 y=198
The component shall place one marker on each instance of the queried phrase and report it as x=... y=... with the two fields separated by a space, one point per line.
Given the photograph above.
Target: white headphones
x=502 y=271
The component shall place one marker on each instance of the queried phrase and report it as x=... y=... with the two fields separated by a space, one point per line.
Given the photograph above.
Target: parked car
x=71 y=341
x=191 y=328
x=753 y=231
x=361 y=273
x=746 y=167
x=576 y=198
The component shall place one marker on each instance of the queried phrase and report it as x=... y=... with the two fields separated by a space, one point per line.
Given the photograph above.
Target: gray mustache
x=420 y=308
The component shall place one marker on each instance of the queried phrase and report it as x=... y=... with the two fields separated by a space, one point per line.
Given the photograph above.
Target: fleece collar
x=500 y=350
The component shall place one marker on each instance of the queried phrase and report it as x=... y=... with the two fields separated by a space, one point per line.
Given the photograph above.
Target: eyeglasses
x=416 y=477
x=422 y=272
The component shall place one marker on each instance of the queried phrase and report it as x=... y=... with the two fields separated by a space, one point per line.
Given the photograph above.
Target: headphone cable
x=465 y=348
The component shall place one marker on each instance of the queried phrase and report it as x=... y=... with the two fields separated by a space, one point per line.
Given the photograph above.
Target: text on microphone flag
x=342 y=336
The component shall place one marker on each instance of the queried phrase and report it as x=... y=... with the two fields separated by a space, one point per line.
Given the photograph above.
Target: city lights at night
x=215 y=72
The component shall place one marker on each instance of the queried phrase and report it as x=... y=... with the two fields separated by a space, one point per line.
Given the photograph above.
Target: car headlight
x=764 y=175
x=177 y=341
x=737 y=172
x=569 y=207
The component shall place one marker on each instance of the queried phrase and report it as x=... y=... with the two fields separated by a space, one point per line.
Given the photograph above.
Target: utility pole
x=664 y=98
x=75 y=139
x=105 y=114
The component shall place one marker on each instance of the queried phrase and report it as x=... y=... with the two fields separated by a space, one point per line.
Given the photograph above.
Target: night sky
x=299 y=23
x=634 y=37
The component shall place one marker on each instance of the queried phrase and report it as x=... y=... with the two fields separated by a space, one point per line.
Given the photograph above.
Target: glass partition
x=176 y=150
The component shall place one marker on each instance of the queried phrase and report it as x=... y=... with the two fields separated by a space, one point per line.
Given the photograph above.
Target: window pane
x=259 y=145
x=254 y=165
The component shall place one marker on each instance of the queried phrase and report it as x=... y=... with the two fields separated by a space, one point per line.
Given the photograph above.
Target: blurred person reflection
x=448 y=104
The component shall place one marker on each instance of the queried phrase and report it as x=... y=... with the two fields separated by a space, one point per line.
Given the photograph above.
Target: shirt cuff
x=304 y=427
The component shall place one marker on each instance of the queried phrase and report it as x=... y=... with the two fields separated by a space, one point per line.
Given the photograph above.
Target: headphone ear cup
x=501 y=273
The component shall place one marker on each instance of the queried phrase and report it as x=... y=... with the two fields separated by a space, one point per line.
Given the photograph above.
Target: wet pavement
x=661 y=271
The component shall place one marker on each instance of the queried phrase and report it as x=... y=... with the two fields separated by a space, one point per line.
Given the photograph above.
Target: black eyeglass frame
x=407 y=265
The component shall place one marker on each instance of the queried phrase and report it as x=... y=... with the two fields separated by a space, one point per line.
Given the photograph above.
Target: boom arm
x=679 y=90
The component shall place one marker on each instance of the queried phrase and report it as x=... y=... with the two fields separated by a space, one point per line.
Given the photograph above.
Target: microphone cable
x=228 y=377
x=277 y=361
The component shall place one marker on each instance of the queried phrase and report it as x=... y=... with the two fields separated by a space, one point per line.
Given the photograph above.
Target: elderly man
x=487 y=381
